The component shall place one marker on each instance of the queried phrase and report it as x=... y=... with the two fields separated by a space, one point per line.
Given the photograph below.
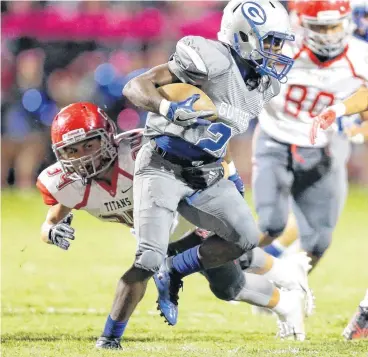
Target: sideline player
x=328 y=68
x=94 y=171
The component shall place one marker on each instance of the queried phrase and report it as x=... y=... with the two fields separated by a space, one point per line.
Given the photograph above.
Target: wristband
x=164 y=107
x=339 y=109
x=232 y=168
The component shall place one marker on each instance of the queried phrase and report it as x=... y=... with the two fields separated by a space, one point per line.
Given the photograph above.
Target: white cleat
x=298 y=265
x=302 y=266
x=291 y=324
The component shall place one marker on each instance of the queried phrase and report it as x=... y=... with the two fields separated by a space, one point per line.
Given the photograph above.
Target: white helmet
x=246 y=24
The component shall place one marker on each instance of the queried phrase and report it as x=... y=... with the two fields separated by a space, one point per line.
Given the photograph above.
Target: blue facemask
x=272 y=64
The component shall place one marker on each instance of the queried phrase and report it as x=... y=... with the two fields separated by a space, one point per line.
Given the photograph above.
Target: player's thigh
x=271 y=183
x=226 y=281
x=156 y=196
x=222 y=210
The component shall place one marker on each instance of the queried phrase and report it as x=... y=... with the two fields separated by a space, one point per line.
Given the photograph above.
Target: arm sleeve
x=48 y=198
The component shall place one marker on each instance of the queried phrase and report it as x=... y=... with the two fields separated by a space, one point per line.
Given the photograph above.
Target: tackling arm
x=357 y=103
x=55 y=214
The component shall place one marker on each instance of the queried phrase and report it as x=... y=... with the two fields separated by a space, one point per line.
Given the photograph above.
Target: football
x=176 y=92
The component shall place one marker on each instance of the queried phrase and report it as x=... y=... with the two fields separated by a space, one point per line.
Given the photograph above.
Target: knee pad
x=245 y=237
x=271 y=226
x=246 y=259
x=149 y=260
x=322 y=245
x=319 y=244
x=228 y=292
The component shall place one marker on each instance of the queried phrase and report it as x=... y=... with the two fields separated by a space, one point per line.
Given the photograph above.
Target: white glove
x=61 y=232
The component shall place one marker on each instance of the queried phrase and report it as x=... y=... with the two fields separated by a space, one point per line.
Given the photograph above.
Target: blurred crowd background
x=54 y=53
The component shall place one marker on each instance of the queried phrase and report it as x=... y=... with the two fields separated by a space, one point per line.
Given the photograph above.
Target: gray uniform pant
x=285 y=176
x=159 y=191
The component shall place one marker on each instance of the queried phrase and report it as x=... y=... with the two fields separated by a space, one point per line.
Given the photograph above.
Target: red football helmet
x=314 y=14
x=78 y=122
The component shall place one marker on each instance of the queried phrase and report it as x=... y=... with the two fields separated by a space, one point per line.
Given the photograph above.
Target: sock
x=280 y=273
x=258 y=258
x=188 y=241
x=257 y=290
x=275 y=249
x=187 y=263
x=285 y=303
x=114 y=329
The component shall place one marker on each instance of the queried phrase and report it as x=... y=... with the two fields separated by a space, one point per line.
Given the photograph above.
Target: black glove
x=204 y=176
x=61 y=232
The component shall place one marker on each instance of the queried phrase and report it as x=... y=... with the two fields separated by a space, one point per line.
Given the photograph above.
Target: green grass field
x=55 y=303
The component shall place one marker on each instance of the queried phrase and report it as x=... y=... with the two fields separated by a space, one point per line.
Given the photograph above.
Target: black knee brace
x=226 y=281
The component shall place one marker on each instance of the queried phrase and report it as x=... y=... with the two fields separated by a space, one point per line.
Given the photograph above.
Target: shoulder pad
x=201 y=57
x=129 y=143
x=357 y=55
x=56 y=187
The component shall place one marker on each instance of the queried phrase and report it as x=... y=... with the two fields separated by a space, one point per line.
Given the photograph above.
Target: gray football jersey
x=209 y=65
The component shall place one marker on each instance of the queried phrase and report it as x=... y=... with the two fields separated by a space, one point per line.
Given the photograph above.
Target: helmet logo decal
x=254 y=12
x=74 y=135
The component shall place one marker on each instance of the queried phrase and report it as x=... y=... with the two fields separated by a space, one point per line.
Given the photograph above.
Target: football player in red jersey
x=327 y=69
x=94 y=172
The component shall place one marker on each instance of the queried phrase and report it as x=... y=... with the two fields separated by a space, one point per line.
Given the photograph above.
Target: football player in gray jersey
x=180 y=167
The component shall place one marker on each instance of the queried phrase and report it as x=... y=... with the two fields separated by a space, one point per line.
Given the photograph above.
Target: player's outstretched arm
x=142 y=90
x=357 y=103
x=56 y=228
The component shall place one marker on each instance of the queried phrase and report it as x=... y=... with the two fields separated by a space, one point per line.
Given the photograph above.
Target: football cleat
x=358 y=325
x=291 y=324
x=298 y=266
x=168 y=286
x=109 y=343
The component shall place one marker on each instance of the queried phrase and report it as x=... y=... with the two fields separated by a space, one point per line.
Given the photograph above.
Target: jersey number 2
x=222 y=133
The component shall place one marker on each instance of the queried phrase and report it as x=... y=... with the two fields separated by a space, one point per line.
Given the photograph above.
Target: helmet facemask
x=87 y=166
x=328 y=45
x=269 y=61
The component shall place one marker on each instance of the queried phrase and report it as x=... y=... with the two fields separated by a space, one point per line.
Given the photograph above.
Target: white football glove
x=61 y=232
